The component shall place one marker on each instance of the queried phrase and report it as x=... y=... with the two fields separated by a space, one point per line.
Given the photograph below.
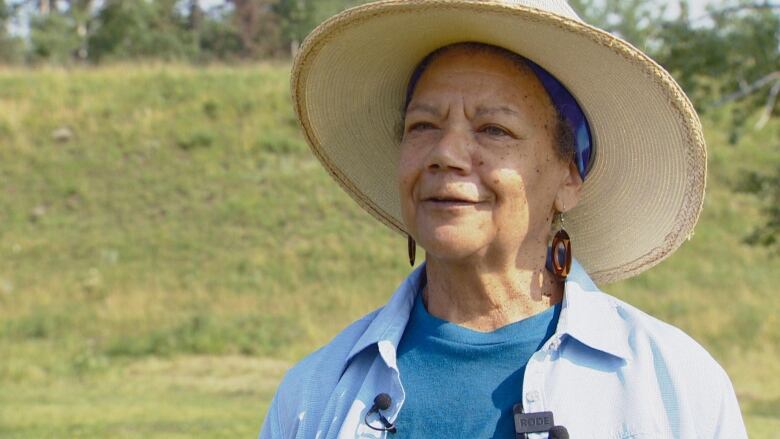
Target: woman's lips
x=448 y=202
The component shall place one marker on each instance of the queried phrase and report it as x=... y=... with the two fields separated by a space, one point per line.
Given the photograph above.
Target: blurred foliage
x=11 y=49
x=734 y=60
x=53 y=38
x=728 y=57
x=125 y=30
x=636 y=21
x=89 y=31
x=765 y=185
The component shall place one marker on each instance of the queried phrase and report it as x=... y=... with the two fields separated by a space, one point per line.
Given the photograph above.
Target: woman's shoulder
x=324 y=366
x=605 y=321
x=307 y=384
x=600 y=316
x=334 y=354
x=656 y=336
x=676 y=356
x=687 y=377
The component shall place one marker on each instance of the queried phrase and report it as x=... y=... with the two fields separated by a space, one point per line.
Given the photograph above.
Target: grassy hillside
x=168 y=246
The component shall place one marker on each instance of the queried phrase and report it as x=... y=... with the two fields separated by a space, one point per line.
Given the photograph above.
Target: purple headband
x=571 y=112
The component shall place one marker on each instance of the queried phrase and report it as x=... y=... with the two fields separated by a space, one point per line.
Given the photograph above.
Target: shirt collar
x=591 y=316
x=390 y=321
x=587 y=314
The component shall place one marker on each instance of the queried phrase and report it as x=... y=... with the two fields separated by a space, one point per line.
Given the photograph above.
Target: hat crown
x=558 y=7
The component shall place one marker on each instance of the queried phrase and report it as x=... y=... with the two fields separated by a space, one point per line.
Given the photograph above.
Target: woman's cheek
x=406 y=190
x=508 y=182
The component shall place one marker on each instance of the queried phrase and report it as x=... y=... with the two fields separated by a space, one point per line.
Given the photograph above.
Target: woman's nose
x=451 y=152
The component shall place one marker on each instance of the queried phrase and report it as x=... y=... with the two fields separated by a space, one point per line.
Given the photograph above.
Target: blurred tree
x=735 y=60
x=141 y=29
x=59 y=30
x=298 y=17
x=81 y=13
x=5 y=15
x=219 y=40
x=11 y=48
x=636 y=21
x=95 y=31
x=258 y=27
x=53 y=36
x=195 y=15
x=731 y=55
x=44 y=6
x=739 y=46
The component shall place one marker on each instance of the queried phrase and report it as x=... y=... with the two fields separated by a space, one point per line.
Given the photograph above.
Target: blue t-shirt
x=464 y=383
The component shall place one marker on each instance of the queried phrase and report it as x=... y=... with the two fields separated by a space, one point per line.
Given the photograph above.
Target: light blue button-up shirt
x=610 y=371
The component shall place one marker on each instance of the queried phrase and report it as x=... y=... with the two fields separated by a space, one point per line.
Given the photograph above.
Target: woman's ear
x=569 y=191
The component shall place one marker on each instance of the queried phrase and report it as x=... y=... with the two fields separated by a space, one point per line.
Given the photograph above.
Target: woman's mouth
x=449 y=202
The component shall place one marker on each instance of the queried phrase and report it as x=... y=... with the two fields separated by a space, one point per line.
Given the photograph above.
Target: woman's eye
x=493 y=130
x=420 y=126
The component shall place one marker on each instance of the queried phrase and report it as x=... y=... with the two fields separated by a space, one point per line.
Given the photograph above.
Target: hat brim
x=645 y=189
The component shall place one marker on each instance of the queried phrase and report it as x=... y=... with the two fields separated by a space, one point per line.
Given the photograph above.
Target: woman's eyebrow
x=481 y=111
x=424 y=108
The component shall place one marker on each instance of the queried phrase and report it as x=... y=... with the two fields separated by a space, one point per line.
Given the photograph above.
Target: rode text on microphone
x=539 y=422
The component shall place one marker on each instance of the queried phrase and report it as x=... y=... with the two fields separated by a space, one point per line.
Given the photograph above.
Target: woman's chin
x=451 y=242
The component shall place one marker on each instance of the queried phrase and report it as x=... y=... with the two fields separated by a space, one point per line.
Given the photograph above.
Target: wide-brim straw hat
x=644 y=191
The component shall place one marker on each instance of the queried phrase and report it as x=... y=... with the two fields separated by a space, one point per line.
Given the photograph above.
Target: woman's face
x=479 y=174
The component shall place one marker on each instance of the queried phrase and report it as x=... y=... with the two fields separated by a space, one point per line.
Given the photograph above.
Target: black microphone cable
x=382 y=402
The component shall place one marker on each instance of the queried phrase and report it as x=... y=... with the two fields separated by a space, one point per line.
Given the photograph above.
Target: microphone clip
x=381 y=402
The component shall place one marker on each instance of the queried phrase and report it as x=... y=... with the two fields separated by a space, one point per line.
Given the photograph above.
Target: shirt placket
x=382 y=377
x=535 y=377
x=395 y=390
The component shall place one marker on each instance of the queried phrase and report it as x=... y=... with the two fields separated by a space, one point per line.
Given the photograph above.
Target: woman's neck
x=485 y=298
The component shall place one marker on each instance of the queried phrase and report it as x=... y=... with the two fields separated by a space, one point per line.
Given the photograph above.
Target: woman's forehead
x=480 y=55
x=481 y=73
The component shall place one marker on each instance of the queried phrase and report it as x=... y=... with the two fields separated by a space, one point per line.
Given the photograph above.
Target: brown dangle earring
x=412 y=247
x=561 y=243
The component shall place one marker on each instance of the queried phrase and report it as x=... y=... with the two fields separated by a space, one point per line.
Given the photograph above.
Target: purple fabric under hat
x=571 y=112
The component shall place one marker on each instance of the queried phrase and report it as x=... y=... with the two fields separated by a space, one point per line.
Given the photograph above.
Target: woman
x=492 y=155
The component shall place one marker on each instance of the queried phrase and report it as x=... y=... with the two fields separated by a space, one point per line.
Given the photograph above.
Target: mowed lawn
x=169 y=246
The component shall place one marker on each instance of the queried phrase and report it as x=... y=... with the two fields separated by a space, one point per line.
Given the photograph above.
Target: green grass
x=201 y=396
x=162 y=267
